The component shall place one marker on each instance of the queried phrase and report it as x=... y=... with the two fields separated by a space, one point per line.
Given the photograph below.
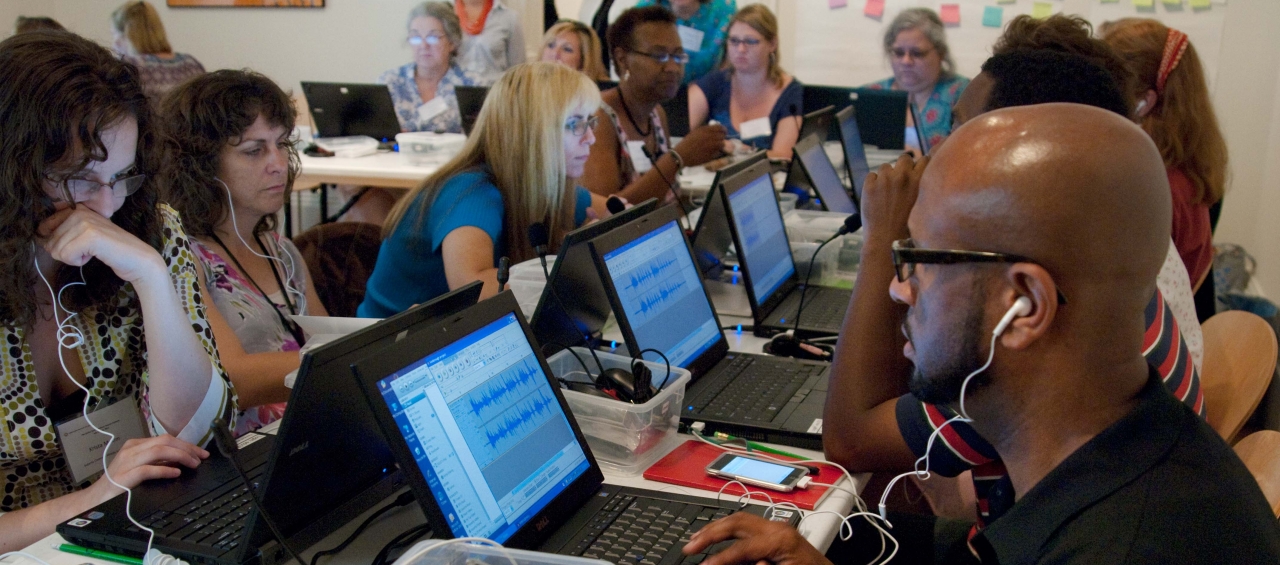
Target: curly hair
x=58 y=93
x=201 y=117
x=621 y=34
x=1039 y=76
x=1065 y=34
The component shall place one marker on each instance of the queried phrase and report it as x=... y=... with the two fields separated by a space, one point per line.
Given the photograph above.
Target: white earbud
x=1142 y=105
x=1020 y=308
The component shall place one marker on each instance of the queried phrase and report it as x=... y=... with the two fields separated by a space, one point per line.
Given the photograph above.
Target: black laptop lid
x=811 y=160
x=761 y=237
x=818 y=122
x=657 y=293
x=470 y=101
x=327 y=427
x=479 y=427
x=577 y=284
x=340 y=109
x=882 y=117
x=821 y=96
x=711 y=237
x=855 y=154
x=677 y=110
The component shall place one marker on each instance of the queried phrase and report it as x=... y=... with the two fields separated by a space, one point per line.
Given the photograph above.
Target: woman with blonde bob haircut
x=572 y=44
x=1174 y=108
x=518 y=167
x=138 y=37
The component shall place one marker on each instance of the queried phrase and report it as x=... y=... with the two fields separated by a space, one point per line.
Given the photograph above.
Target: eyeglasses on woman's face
x=432 y=39
x=579 y=126
x=680 y=58
x=78 y=189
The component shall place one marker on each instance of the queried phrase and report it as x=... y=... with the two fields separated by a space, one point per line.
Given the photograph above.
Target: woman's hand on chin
x=75 y=235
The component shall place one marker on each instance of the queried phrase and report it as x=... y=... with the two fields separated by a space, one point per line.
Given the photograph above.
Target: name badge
x=752 y=129
x=83 y=446
x=690 y=38
x=638 y=158
x=432 y=108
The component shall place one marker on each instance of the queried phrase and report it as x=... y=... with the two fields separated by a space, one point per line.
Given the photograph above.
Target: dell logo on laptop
x=299 y=448
x=542 y=523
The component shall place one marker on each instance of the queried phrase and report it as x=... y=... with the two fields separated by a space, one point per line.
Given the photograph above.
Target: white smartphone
x=757 y=472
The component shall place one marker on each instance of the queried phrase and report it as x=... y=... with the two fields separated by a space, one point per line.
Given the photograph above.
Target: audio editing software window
x=765 y=250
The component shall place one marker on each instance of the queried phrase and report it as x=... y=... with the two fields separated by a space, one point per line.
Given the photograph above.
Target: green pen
x=97 y=554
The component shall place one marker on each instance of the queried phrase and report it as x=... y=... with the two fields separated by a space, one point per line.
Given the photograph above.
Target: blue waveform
x=641 y=276
x=506 y=384
x=651 y=301
x=517 y=418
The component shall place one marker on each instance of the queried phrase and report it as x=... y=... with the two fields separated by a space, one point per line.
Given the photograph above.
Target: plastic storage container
x=527 y=282
x=837 y=263
x=432 y=552
x=626 y=438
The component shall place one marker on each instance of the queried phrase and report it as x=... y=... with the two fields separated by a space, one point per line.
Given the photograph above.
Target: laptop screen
x=662 y=294
x=763 y=237
x=826 y=181
x=486 y=430
x=855 y=154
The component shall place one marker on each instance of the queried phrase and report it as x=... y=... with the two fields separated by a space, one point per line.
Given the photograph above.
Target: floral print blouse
x=404 y=94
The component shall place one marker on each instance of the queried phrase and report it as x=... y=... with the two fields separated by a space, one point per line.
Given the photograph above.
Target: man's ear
x=1033 y=282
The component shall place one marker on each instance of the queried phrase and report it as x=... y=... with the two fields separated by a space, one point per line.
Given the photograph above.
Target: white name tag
x=432 y=108
x=816 y=426
x=638 y=158
x=752 y=129
x=83 y=446
x=690 y=38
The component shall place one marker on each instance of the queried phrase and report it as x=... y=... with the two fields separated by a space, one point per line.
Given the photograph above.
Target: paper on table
x=874 y=8
x=1042 y=10
x=321 y=325
x=950 y=14
x=993 y=16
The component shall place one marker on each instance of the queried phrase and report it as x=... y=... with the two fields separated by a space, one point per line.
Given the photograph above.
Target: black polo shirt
x=1158 y=486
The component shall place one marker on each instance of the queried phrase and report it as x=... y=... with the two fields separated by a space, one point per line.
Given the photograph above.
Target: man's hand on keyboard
x=758 y=540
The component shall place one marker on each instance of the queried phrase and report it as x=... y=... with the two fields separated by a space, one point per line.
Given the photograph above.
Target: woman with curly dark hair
x=229 y=168
x=99 y=303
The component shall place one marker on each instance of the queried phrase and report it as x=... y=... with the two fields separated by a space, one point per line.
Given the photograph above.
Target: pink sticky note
x=874 y=9
x=833 y=4
x=950 y=14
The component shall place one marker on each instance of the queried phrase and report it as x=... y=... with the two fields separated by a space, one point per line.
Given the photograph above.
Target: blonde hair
x=1182 y=122
x=519 y=135
x=140 y=23
x=759 y=18
x=592 y=63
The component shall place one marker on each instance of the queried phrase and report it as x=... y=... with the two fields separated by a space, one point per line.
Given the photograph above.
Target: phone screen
x=758 y=470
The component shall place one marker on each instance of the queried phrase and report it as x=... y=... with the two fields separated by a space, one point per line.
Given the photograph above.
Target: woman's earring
x=626 y=75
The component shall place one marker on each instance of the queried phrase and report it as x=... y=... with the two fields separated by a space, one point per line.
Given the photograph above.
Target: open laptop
x=660 y=302
x=490 y=449
x=811 y=168
x=470 y=101
x=711 y=239
x=577 y=286
x=677 y=110
x=915 y=122
x=342 y=109
x=327 y=464
x=882 y=116
x=821 y=96
x=818 y=122
x=769 y=273
x=855 y=154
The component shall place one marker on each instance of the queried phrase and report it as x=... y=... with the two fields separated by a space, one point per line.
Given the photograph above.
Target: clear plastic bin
x=457 y=553
x=527 y=282
x=625 y=438
x=837 y=263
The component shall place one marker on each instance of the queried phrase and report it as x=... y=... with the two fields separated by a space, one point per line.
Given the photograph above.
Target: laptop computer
x=490 y=448
x=772 y=282
x=342 y=109
x=577 y=286
x=811 y=168
x=327 y=464
x=855 y=154
x=882 y=116
x=915 y=122
x=821 y=96
x=677 y=110
x=470 y=101
x=711 y=239
x=818 y=122
x=660 y=302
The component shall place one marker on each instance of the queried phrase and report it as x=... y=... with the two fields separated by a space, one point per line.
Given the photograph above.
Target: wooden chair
x=1260 y=452
x=1239 y=360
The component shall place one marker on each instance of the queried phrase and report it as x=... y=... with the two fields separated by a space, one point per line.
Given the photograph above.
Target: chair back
x=340 y=257
x=1239 y=360
x=1260 y=452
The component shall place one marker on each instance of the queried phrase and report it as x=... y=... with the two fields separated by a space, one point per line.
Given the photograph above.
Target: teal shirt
x=410 y=268
x=935 y=122
x=712 y=20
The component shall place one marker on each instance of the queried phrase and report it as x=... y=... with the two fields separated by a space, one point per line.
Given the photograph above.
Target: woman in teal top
x=703 y=25
x=519 y=167
x=916 y=45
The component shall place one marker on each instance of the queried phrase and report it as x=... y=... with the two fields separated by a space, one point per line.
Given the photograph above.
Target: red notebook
x=687 y=466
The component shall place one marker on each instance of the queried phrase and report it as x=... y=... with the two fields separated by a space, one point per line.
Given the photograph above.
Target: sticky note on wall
x=833 y=4
x=1173 y=2
x=950 y=14
x=993 y=16
x=1006 y=1
x=1200 y=4
x=874 y=8
x=1144 y=3
x=1041 y=10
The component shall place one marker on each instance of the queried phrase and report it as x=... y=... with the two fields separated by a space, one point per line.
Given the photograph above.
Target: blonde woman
x=572 y=44
x=138 y=37
x=759 y=103
x=519 y=167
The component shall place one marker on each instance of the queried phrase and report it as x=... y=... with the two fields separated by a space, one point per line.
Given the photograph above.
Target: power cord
x=404 y=538
x=228 y=446
x=402 y=500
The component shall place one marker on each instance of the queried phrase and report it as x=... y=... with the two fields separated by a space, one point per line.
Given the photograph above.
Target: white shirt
x=498 y=47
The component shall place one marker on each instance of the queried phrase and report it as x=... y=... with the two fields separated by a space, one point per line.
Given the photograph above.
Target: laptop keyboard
x=215 y=520
x=633 y=530
x=824 y=309
x=751 y=388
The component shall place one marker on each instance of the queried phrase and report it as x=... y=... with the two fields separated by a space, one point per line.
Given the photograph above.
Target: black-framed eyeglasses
x=78 y=190
x=579 y=126
x=664 y=58
x=906 y=256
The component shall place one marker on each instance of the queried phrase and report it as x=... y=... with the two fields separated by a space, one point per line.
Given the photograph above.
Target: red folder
x=687 y=466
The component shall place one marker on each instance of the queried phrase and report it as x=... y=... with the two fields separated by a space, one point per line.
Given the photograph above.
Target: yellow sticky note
x=1172 y=2
x=1005 y=1
x=1041 y=10
x=1144 y=3
x=1200 y=4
